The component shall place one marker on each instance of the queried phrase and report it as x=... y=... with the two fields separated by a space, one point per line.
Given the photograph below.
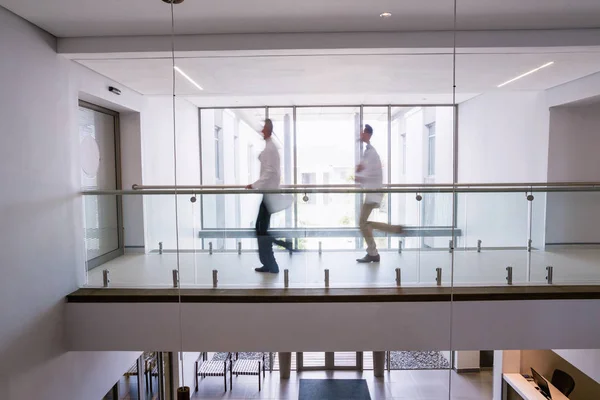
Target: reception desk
x=526 y=389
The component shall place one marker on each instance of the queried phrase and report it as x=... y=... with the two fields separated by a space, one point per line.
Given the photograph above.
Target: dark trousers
x=265 y=240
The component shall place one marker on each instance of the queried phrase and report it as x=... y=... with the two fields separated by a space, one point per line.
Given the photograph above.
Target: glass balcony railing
x=452 y=235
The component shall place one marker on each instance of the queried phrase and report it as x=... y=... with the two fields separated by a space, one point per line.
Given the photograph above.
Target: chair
x=563 y=382
x=206 y=368
x=248 y=367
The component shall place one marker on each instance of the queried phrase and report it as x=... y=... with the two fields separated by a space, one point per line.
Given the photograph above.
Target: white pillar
x=505 y=361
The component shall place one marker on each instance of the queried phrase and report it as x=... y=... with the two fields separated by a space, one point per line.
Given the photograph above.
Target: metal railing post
x=529 y=242
x=326 y=278
x=509 y=275
x=175 y=278
x=438 y=277
x=550 y=274
x=160 y=247
x=479 y=246
x=239 y=248
x=286 y=278
x=210 y=248
x=399 y=246
x=215 y=277
x=105 y=278
x=450 y=246
x=398 y=277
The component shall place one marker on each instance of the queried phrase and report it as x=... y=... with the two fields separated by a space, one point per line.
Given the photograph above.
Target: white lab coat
x=371 y=177
x=270 y=167
x=270 y=178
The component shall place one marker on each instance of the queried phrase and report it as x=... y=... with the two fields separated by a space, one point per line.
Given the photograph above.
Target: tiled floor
x=306 y=269
x=405 y=385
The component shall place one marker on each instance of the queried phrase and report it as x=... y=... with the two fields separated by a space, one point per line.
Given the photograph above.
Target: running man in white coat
x=369 y=173
x=270 y=176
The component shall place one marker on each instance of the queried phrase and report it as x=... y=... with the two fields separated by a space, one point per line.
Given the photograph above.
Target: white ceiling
x=344 y=79
x=72 y=18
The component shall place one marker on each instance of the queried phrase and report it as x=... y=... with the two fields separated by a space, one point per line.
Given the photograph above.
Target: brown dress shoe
x=368 y=259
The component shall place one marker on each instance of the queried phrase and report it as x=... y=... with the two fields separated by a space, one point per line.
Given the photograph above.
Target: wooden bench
x=248 y=367
x=205 y=368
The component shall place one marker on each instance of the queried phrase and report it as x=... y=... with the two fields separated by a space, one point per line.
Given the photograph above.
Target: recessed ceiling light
x=186 y=76
x=173 y=1
x=385 y=14
x=526 y=73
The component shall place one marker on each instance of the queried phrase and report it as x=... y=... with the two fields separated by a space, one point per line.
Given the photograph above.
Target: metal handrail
x=520 y=185
x=350 y=190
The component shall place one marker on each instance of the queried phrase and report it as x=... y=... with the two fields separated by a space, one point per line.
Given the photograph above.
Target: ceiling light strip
x=526 y=73
x=193 y=82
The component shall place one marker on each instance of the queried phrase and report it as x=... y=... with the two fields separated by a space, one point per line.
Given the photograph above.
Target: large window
x=327 y=148
x=320 y=146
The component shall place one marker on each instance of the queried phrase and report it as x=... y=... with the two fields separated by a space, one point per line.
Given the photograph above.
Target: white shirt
x=270 y=167
x=371 y=176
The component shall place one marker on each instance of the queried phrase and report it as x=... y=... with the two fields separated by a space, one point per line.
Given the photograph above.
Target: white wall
x=503 y=137
x=41 y=221
x=573 y=156
x=131 y=173
x=467 y=360
x=299 y=326
x=505 y=362
x=74 y=375
x=189 y=360
x=587 y=361
x=577 y=90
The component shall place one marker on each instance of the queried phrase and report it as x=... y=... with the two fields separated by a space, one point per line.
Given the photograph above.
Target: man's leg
x=367 y=231
x=381 y=226
x=261 y=227
x=265 y=241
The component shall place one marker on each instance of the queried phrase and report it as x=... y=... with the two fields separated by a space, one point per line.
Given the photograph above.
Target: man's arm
x=269 y=171
x=269 y=175
x=369 y=168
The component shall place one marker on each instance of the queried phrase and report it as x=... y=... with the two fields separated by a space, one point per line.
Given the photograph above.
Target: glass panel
x=233 y=162
x=492 y=232
x=434 y=234
x=144 y=267
x=571 y=238
x=318 y=131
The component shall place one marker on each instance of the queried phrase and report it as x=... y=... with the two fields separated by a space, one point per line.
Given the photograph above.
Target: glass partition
x=448 y=120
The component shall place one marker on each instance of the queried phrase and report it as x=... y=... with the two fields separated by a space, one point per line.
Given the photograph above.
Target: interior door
x=99 y=151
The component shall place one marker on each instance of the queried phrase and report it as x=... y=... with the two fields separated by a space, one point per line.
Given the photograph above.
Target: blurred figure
x=270 y=176
x=369 y=174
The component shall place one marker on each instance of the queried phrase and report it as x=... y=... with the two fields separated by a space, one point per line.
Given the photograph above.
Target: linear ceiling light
x=526 y=73
x=193 y=82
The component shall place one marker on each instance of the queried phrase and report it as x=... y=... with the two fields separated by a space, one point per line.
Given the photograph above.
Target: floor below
x=413 y=385
x=306 y=269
